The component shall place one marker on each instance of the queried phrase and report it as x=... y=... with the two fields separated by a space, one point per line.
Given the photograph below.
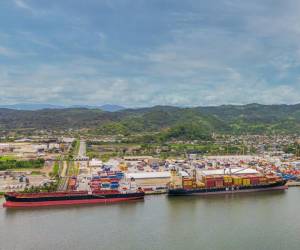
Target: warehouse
x=152 y=178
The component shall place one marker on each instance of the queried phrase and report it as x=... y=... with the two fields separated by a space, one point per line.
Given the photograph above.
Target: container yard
x=154 y=175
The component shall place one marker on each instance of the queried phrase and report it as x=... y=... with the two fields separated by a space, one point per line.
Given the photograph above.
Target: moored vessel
x=224 y=181
x=14 y=199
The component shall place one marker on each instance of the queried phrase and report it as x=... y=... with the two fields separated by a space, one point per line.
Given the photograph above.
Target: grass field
x=73 y=169
x=7 y=158
x=55 y=169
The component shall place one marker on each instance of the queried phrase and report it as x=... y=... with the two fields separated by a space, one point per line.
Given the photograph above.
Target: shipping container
x=237 y=181
x=246 y=182
x=219 y=183
x=105 y=185
x=105 y=180
x=210 y=183
x=263 y=180
x=254 y=180
x=188 y=187
x=114 y=185
x=200 y=184
x=227 y=179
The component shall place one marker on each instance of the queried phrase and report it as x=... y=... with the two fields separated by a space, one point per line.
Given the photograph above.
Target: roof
x=144 y=157
x=227 y=171
x=95 y=162
x=146 y=175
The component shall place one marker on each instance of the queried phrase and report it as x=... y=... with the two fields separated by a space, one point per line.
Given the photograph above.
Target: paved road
x=82 y=153
x=82 y=149
x=63 y=179
x=66 y=167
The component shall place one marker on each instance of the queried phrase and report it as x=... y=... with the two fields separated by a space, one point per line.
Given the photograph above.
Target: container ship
x=15 y=199
x=223 y=181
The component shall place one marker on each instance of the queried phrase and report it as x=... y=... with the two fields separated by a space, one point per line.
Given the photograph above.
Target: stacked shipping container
x=218 y=181
x=106 y=180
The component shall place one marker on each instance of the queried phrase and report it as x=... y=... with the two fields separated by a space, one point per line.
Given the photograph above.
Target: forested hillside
x=174 y=121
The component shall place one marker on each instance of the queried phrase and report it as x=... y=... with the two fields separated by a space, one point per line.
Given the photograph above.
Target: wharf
x=156 y=192
x=293 y=184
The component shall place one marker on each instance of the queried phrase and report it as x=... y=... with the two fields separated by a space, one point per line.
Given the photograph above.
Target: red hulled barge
x=17 y=199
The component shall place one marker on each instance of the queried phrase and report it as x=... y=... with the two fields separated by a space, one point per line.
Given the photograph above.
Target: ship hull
x=222 y=191
x=15 y=202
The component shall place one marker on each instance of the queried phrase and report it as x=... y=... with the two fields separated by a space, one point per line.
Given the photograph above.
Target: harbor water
x=268 y=220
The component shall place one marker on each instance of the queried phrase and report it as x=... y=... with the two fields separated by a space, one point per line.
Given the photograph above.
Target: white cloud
x=240 y=52
x=7 y=52
x=22 y=4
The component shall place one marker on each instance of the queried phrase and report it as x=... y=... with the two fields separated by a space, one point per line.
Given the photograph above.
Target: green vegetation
x=188 y=131
x=106 y=157
x=36 y=172
x=73 y=168
x=55 y=170
x=7 y=158
x=14 y=164
x=293 y=149
x=170 y=122
x=49 y=187
x=74 y=149
x=164 y=150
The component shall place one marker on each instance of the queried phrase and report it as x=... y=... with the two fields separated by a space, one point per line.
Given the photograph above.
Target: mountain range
x=176 y=121
x=40 y=106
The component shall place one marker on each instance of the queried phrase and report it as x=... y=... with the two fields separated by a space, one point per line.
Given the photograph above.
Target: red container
x=114 y=180
x=210 y=183
x=219 y=183
x=188 y=187
x=105 y=180
x=254 y=180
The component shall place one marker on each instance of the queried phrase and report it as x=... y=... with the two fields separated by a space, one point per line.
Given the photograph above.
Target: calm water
x=245 y=221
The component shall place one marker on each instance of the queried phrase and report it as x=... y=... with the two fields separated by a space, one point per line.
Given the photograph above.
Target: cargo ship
x=17 y=199
x=224 y=181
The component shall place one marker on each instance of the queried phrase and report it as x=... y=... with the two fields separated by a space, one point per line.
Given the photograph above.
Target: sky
x=139 y=53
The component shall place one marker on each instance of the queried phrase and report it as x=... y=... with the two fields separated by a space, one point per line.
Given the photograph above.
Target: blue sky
x=143 y=53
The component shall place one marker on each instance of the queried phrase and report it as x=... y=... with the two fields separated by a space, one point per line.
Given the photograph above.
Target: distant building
x=152 y=178
x=53 y=146
x=23 y=140
x=138 y=158
x=296 y=164
x=82 y=158
x=95 y=163
x=5 y=147
x=67 y=140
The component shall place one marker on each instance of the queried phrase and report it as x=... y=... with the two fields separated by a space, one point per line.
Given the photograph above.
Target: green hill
x=172 y=121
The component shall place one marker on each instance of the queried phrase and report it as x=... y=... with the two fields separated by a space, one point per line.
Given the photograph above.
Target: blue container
x=119 y=175
x=105 y=185
x=114 y=185
x=112 y=176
